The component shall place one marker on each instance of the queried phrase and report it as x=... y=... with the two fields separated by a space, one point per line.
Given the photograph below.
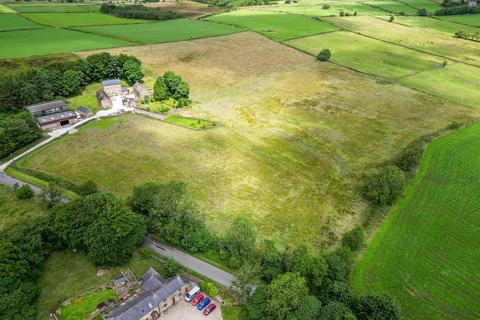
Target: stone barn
x=52 y=115
x=141 y=92
x=112 y=87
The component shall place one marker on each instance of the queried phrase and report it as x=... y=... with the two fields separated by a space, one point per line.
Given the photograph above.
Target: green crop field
x=10 y=21
x=422 y=39
x=5 y=9
x=275 y=25
x=165 y=31
x=426 y=252
x=368 y=55
x=392 y=6
x=457 y=83
x=466 y=19
x=57 y=7
x=78 y=19
x=48 y=40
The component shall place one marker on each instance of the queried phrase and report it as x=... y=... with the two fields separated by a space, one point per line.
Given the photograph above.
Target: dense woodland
x=138 y=12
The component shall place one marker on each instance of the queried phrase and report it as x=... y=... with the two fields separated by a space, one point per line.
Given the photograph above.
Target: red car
x=209 y=309
x=198 y=298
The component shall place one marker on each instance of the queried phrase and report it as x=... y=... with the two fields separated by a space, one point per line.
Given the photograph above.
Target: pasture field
x=57 y=7
x=368 y=55
x=457 y=83
x=357 y=6
x=430 y=5
x=275 y=25
x=165 y=31
x=10 y=21
x=78 y=19
x=434 y=24
x=185 y=8
x=292 y=149
x=426 y=252
x=13 y=209
x=466 y=19
x=305 y=10
x=392 y=6
x=420 y=39
x=5 y=9
x=27 y=43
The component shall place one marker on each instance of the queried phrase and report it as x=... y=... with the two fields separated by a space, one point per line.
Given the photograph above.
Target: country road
x=216 y=274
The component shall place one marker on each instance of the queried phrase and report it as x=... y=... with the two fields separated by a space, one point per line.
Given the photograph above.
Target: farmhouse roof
x=141 y=305
x=56 y=117
x=84 y=109
x=113 y=82
x=46 y=106
x=152 y=280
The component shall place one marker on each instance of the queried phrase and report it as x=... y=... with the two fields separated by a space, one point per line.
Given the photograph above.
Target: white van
x=192 y=293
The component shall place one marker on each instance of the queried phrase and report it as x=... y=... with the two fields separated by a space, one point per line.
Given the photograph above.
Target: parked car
x=192 y=293
x=203 y=304
x=209 y=309
x=198 y=298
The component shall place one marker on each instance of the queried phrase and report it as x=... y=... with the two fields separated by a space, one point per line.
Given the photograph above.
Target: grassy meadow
x=5 y=9
x=185 y=8
x=430 y=5
x=392 y=6
x=444 y=26
x=9 y=21
x=426 y=252
x=292 y=149
x=57 y=7
x=13 y=209
x=165 y=31
x=275 y=25
x=467 y=19
x=78 y=19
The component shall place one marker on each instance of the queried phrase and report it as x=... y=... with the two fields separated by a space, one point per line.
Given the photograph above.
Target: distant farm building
x=154 y=297
x=141 y=92
x=52 y=115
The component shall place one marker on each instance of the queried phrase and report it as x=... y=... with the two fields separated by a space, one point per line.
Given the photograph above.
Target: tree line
x=137 y=12
x=474 y=36
x=24 y=86
x=17 y=131
x=457 y=10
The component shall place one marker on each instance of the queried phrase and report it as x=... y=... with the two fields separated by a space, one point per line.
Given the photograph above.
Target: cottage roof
x=147 y=301
x=152 y=280
x=84 y=109
x=46 y=106
x=112 y=82
x=56 y=117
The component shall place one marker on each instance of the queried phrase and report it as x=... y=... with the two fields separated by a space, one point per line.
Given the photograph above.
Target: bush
x=171 y=268
x=422 y=13
x=384 y=186
x=24 y=192
x=209 y=288
x=326 y=6
x=378 y=307
x=87 y=188
x=392 y=18
x=354 y=239
x=410 y=157
x=324 y=55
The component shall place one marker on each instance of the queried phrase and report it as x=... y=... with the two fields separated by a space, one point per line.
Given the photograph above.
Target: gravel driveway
x=185 y=311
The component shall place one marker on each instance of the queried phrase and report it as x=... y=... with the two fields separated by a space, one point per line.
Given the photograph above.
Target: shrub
x=24 y=192
x=378 y=307
x=410 y=157
x=354 y=239
x=326 y=6
x=384 y=186
x=171 y=268
x=89 y=187
x=342 y=13
x=392 y=18
x=422 y=13
x=324 y=55
x=209 y=288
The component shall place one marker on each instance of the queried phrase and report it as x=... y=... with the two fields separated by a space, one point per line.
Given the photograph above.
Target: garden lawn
x=78 y=19
x=392 y=6
x=275 y=25
x=368 y=55
x=68 y=275
x=57 y=7
x=12 y=209
x=27 y=43
x=458 y=83
x=165 y=31
x=11 y=21
x=5 y=9
x=423 y=39
x=466 y=19
x=83 y=306
x=297 y=136
x=426 y=252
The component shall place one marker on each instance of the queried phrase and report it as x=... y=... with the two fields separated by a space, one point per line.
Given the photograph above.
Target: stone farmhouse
x=153 y=298
x=52 y=115
x=141 y=92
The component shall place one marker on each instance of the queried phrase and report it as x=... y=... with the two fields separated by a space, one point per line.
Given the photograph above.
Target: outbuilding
x=84 y=111
x=52 y=114
x=112 y=87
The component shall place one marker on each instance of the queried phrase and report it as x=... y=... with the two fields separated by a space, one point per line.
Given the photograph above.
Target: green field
x=368 y=55
x=458 y=83
x=434 y=24
x=166 y=31
x=78 y=19
x=9 y=21
x=306 y=10
x=83 y=306
x=275 y=25
x=466 y=19
x=5 y=9
x=392 y=6
x=430 y=5
x=48 y=40
x=426 y=252
x=189 y=122
x=57 y=7
x=430 y=41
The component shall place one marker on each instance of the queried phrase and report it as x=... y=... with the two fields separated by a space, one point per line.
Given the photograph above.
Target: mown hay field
x=426 y=252
x=298 y=135
x=26 y=43
x=165 y=31
x=368 y=55
x=78 y=19
x=275 y=25
x=11 y=21
x=57 y=7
